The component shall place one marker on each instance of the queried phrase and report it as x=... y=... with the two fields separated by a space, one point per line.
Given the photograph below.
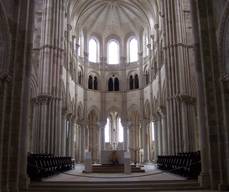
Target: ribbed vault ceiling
x=118 y=17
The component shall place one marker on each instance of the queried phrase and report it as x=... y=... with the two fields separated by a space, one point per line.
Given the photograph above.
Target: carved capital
x=86 y=54
x=161 y=110
x=69 y=27
x=126 y=124
x=101 y=124
x=81 y=122
x=187 y=99
x=156 y=26
x=152 y=37
x=43 y=99
x=77 y=46
x=149 y=46
x=5 y=76
x=225 y=77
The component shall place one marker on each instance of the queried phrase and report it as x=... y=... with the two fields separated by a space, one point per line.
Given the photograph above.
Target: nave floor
x=151 y=174
x=152 y=180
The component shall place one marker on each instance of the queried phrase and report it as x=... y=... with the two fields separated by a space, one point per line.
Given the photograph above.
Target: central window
x=113 y=52
x=114 y=131
x=93 y=50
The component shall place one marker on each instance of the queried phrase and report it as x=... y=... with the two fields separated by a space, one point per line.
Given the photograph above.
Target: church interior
x=114 y=88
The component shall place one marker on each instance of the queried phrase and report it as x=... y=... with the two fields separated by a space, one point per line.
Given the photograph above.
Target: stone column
x=126 y=126
x=204 y=176
x=176 y=81
x=82 y=142
x=35 y=131
x=63 y=133
x=14 y=92
x=157 y=44
x=209 y=96
x=145 y=140
x=5 y=100
x=72 y=133
x=156 y=139
x=159 y=135
x=162 y=112
x=101 y=126
x=51 y=59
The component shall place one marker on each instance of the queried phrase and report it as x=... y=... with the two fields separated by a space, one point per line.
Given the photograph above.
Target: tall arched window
x=93 y=50
x=80 y=77
x=133 y=50
x=110 y=85
x=90 y=82
x=147 y=77
x=131 y=82
x=153 y=131
x=95 y=83
x=107 y=131
x=113 y=52
x=120 y=131
x=136 y=81
x=116 y=84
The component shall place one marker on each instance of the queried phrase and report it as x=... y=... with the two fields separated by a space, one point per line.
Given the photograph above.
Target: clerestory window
x=113 y=54
x=133 y=50
x=93 y=50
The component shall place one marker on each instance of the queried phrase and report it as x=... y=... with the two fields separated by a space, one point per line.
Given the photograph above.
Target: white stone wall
x=133 y=98
x=113 y=101
x=93 y=100
x=80 y=98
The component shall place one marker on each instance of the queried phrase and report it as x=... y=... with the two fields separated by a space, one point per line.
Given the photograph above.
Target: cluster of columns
x=214 y=169
x=15 y=46
x=161 y=135
x=48 y=105
x=178 y=79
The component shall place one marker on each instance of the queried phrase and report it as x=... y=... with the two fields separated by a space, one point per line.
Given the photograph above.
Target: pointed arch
x=110 y=84
x=90 y=82
x=116 y=84
x=136 y=81
x=95 y=83
x=131 y=82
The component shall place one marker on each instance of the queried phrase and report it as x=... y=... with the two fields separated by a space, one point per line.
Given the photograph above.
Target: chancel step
x=113 y=186
x=107 y=168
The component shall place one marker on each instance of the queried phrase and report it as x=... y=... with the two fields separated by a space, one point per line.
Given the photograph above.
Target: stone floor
x=151 y=174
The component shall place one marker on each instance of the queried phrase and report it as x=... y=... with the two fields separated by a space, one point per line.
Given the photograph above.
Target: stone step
x=114 y=169
x=114 y=186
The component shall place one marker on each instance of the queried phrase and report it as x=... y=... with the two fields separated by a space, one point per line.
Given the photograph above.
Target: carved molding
x=178 y=45
x=51 y=47
x=225 y=77
x=69 y=27
x=44 y=99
